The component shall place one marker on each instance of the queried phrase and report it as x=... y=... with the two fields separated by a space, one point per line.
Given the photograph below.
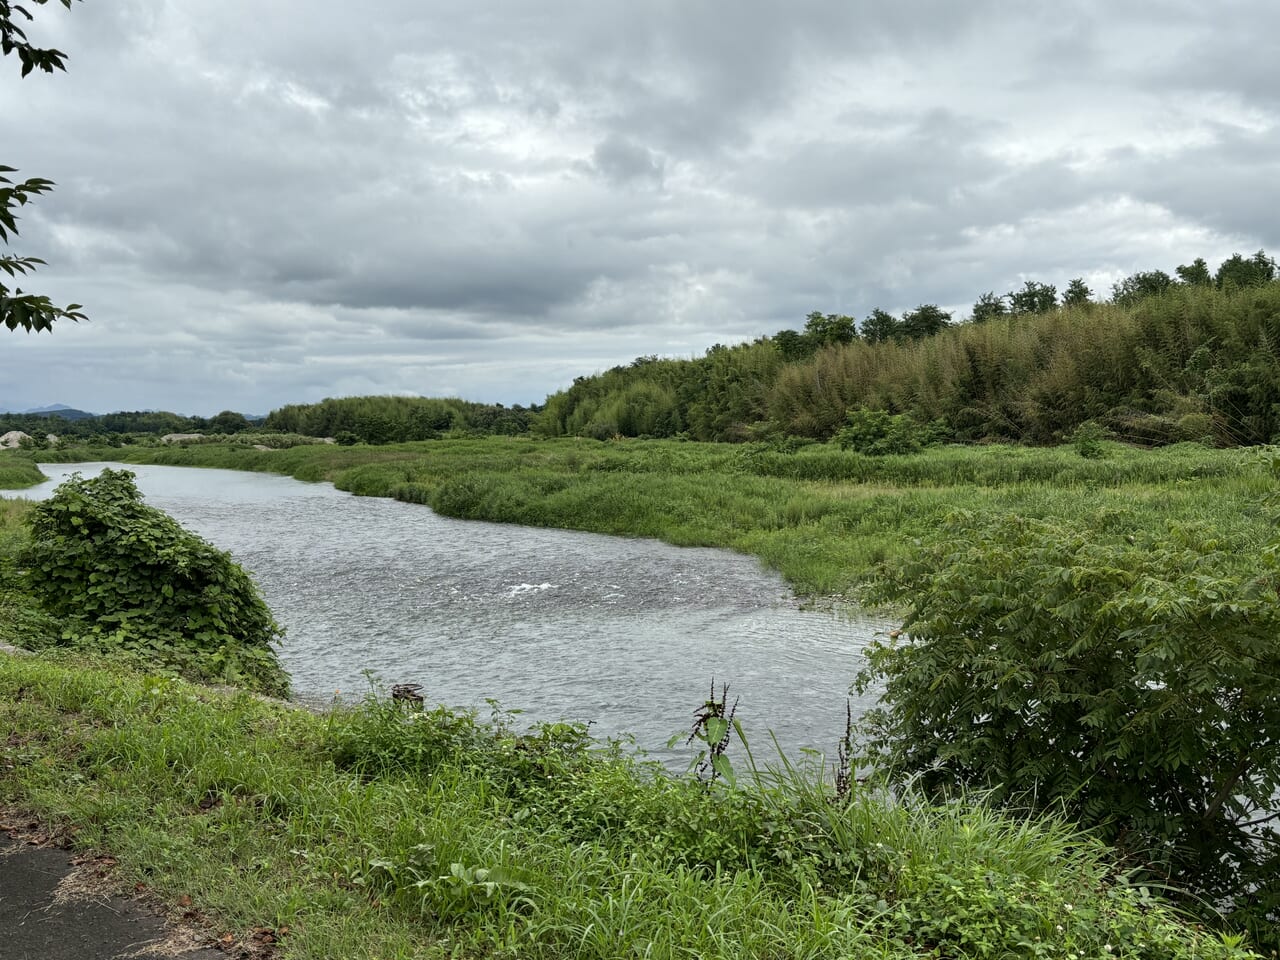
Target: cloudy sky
x=262 y=202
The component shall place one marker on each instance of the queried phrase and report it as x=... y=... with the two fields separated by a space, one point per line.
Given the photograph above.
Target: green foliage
x=538 y=844
x=22 y=622
x=1077 y=294
x=1024 y=371
x=17 y=472
x=793 y=346
x=125 y=576
x=1133 y=289
x=1238 y=272
x=228 y=421
x=1195 y=274
x=987 y=307
x=720 y=396
x=926 y=320
x=1034 y=297
x=390 y=419
x=819 y=515
x=1132 y=684
x=881 y=327
x=826 y=329
x=878 y=433
x=1088 y=439
x=110 y=427
x=13 y=39
x=31 y=312
x=714 y=725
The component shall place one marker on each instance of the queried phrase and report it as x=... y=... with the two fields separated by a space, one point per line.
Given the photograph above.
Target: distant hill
x=61 y=410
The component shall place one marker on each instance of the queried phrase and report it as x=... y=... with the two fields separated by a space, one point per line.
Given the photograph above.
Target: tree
x=1239 y=272
x=880 y=326
x=1077 y=294
x=988 y=307
x=228 y=421
x=1196 y=274
x=1147 y=283
x=30 y=311
x=1132 y=685
x=925 y=320
x=1034 y=297
x=830 y=328
x=793 y=345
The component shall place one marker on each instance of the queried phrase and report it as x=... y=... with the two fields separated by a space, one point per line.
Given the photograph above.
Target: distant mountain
x=62 y=410
x=55 y=410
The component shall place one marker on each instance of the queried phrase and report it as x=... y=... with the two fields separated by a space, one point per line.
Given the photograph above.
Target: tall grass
x=18 y=471
x=380 y=831
x=1190 y=363
x=821 y=516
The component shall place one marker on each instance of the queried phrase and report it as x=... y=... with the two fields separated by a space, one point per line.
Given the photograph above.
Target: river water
x=624 y=633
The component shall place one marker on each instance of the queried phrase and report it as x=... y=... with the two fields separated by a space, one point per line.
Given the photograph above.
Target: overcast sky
x=276 y=201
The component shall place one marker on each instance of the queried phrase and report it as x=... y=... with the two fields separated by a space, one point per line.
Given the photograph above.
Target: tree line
x=348 y=420
x=389 y=419
x=114 y=428
x=1191 y=356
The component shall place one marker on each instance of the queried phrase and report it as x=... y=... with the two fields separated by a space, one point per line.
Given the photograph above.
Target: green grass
x=378 y=831
x=822 y=517
x=372 y=832
x=18 y=472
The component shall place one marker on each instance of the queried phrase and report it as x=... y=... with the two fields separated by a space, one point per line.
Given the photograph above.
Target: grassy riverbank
x=821 y=516
x=18 y=473
x=379 y=833
x=384 y=832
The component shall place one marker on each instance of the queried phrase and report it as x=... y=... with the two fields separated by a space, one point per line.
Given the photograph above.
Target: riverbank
x=889 y=878
x=823 y=517
x=381 y=831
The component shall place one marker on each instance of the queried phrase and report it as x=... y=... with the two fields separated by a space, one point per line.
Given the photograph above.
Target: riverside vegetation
x=384 y=831
x=1164 y=361
x=827 y=517
x=1089 y=644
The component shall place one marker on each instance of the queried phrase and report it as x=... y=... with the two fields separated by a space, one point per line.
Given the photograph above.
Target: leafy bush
x=1087 y=439
x=125 y=576
x=1132 y=685
x=877 y=433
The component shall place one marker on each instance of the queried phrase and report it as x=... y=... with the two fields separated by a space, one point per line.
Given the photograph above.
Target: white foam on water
x=523 y=589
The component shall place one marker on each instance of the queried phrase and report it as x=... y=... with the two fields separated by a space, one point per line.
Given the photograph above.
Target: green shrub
x=127 y=577
x=1087 y=439
x=1132 y=685
x=877 y=433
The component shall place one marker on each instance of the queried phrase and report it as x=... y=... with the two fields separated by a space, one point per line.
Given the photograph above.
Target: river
x=626 y=634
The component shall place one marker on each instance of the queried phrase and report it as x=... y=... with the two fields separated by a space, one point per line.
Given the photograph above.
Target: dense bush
x=877 y=433
x=125 y=576
x=1133 y=685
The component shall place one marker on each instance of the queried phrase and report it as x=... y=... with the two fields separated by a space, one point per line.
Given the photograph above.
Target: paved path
x=52 y=908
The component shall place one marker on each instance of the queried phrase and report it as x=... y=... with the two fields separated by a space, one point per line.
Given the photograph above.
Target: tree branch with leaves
x=32 y=312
